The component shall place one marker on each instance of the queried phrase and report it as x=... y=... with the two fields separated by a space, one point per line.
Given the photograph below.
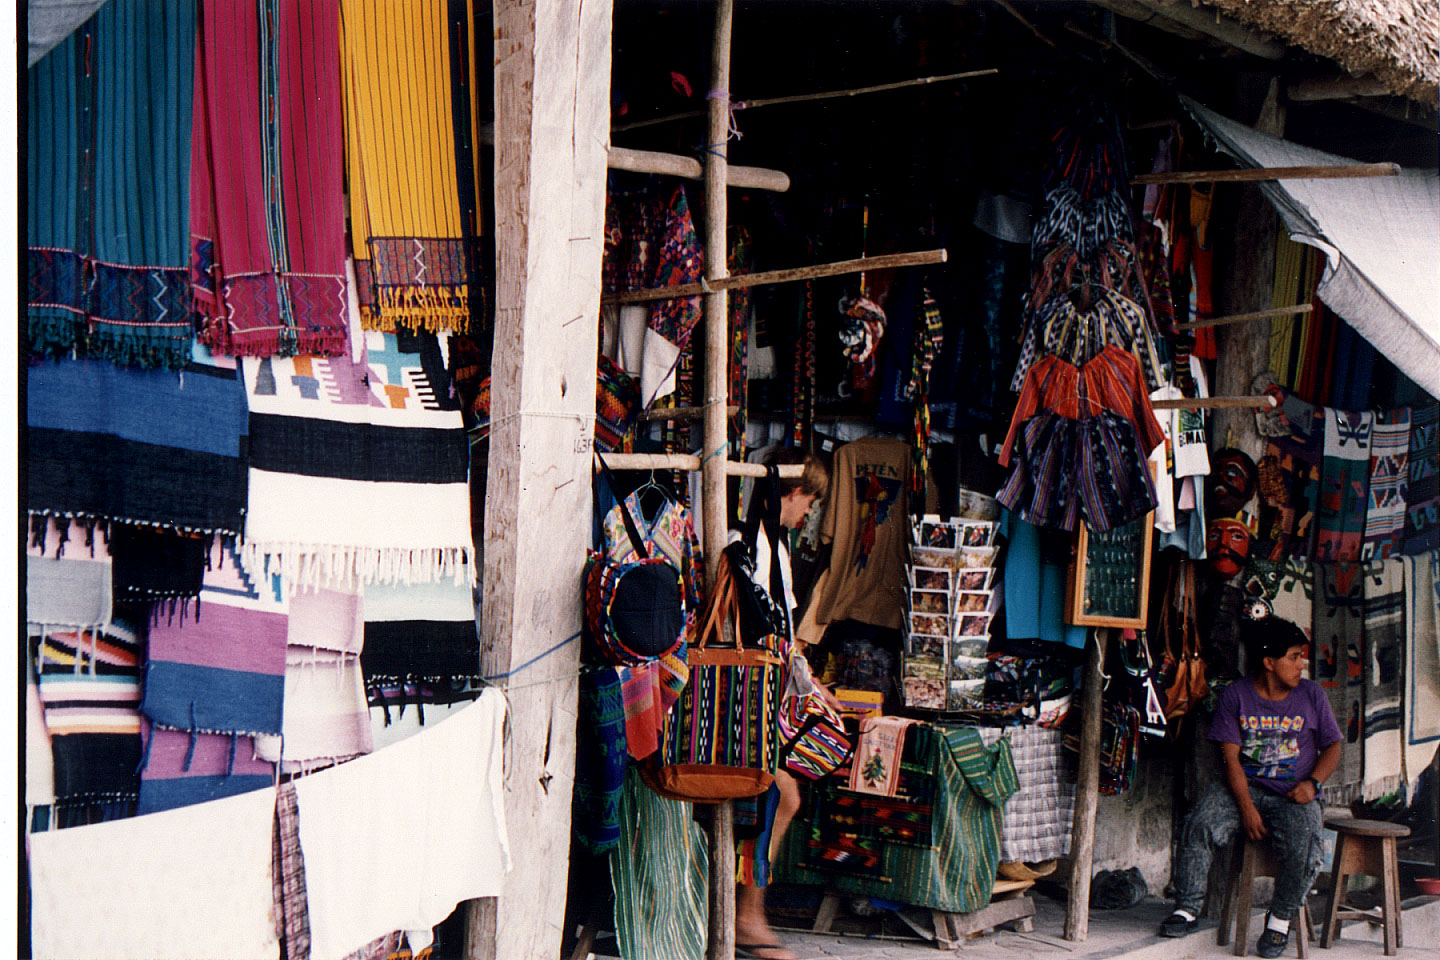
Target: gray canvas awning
x=1381 y=238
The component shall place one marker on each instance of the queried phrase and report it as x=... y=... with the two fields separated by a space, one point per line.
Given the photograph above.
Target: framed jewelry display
x=1109 y=579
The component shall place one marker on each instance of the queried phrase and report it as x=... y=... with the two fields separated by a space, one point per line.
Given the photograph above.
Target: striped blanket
x=1422 y=501
x=1339 y=641
x=67 y=574
x=1421 y=716
x=267 y=218
x=163 y=448
x=326 y=717
x=358 y=471
x=419 y=632
x=1389 y=479
x=180 y=769
x=1384 y=676
x=108 y=187
x=1344 y=485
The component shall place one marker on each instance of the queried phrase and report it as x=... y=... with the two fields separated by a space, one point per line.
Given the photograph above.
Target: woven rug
x=1384 y=675
x=108 y=140
x=1294 y=598
x=1389 y=479
x=326 y=717
x=409 y=145
x=221 y=669
x=358 y=471
x=155 y=565
x=1344 y=486
x=68 y=574
x=160 y=448
x=417 y=633
x=89 y=687
x=267 y=220
x=1339 y=641
x=1422 y=502
x=180 y=768
x=1289 y=477
x=1421 y=708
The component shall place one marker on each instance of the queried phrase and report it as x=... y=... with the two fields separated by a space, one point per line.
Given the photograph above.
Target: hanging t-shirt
x=1192 y=456
x=866 y=526
x=1280 y=740
x=1162 y=461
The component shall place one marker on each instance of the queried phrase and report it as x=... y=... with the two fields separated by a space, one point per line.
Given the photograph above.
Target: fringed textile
x=157 y=564
x=326 y=717
x=1389 y=477
x=162 y=448
x=181 y=768
x=419 y=633
x=109 y=115
x=68 y=574
x=1384 y=676
x=1289 y=477
x=267 y=245
x=409 y=143
x=1421 y=696
x=1339 y=642
x=1344 y=485
x=359 y=471
x=1422 y=503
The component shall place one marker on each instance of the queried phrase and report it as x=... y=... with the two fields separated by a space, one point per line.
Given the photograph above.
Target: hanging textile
x=1294 y=597
x=267 y=219
x=68 y=574
x=1421 y=694
x=409 y=146
x=358 y=471
x=1384 y=676
x=108 y=187
x=679 y=259
x=1040 y=814
x=89 y=687
x=153 y=565
x=287 y=868
x=221 y=667
x=742 y=308
x=1289 y=476
x=1422 y=499
x=210 y=894
x=875 y=768
x=929 y=337
x=1339 y=642
x=1344 y=485
x=660 y=876
x=326 y=716
x=182 y=768
x=1389 y=476
x=158 y=448
x=417 y=633
x=601 y=761
x=401 y=805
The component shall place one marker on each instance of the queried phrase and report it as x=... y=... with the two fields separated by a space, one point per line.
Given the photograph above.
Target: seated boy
x=1280 y=742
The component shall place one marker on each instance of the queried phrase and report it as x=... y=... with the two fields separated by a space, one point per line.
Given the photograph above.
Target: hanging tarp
x=1381 y=237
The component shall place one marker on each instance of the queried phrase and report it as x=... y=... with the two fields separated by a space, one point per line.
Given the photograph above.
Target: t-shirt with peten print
x=1280 y=740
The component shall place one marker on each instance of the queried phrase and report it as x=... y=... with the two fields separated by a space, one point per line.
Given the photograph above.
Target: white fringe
x=312 y=566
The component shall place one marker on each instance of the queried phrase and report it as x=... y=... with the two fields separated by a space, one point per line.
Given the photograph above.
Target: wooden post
x=1087 y=792
x=721 y=944
x=552 y=121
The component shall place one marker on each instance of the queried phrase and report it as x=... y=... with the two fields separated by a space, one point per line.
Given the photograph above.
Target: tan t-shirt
x=867 y=527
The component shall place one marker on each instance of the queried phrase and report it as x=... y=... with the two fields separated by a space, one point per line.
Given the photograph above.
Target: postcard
x=972 y=601
x=937 y=625
x=930 y=601
x=923 y=645
x=973 y=625
x=976 y=579
x=931 y=578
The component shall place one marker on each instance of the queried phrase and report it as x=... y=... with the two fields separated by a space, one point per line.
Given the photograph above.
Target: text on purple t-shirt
x=1279 y=740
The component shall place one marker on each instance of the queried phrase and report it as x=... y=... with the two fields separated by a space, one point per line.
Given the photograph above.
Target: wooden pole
x=721 y=943
x=1259 y=402
x=808 y=97
x=688 y=461
x=1253 y=174
x=683 y=413
x=887 y=261
x=677 y=165
x=1247 y=317
x=1087 y=792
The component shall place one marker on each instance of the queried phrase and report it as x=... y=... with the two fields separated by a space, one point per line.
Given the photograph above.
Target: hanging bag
x=722 y=739
x=813 y=738
x=1185 y=685
x=634 y=611
x=762 y=611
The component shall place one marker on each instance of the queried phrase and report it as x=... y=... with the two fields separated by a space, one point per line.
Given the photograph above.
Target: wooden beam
x=889 y=261
x=721 y=943
x=1260 y=402
x=677 y=165
x=552 y=104
x=1212 y=24
x=1087 y=791
x=808 y=97
x=1334 y=88
x=679 y=414
x=1253 y=174
x=1247 y=317
x=691 y=462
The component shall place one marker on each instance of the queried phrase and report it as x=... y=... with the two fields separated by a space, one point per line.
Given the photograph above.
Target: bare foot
x=754 y=937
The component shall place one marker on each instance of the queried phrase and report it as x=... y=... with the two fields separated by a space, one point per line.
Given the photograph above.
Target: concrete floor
x=1128 y=933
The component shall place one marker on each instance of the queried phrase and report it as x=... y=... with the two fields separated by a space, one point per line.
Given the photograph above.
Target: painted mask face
x=1227 y=544
x=1231 y=482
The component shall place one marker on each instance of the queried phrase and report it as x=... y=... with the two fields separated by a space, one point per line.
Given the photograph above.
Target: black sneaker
x=1272 y=943
x=1176 y=925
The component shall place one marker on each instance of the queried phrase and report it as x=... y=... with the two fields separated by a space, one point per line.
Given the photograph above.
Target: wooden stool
x=1250 y=859
x=1368 y=847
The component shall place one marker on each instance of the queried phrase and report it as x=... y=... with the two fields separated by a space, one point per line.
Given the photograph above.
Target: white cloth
x=1192 y=456
x=185 y=883
x=1160 y=462
x=39 y=760
x=657 y=367
x=395 y=840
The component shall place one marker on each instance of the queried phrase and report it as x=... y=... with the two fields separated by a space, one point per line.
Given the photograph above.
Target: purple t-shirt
x=1279 y=739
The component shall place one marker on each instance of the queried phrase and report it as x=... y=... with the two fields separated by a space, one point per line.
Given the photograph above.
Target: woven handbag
x=722 y=739
x=814 y=738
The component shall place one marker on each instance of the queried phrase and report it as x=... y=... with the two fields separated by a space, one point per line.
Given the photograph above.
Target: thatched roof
x=1395 y=41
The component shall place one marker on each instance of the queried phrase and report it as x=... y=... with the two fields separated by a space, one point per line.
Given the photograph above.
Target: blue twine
x=535 y=659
